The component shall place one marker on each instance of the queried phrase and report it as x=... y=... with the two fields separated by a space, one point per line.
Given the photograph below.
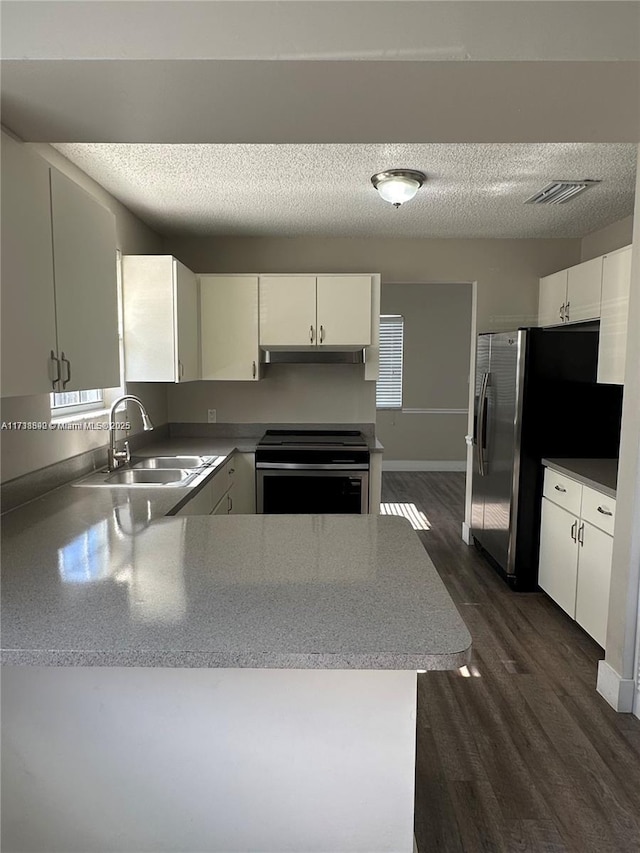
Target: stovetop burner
x=313 y=437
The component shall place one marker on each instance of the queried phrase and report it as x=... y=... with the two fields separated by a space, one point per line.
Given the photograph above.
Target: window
x=69 y=402
x=389 y=385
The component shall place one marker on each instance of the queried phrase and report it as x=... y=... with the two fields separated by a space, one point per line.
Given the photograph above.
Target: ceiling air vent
x=559 y=192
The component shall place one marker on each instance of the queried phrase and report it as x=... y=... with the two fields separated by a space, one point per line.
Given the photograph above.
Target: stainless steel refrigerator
x=536 y=396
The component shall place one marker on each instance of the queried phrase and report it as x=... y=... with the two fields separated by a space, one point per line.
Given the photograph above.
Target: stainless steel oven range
x=312 y=471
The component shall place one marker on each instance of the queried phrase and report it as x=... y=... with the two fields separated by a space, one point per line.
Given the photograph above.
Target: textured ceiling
x=473 y=190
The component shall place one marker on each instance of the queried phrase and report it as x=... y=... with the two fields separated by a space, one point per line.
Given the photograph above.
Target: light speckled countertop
x=600 y=474
x=98 y=577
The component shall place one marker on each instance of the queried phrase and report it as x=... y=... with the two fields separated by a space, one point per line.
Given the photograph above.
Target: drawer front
x=223 y=480
x=598 y=509
x=562 y=490
x=200 y=504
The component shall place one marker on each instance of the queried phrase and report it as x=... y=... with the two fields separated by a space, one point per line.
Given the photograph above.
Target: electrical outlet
x=211 y=416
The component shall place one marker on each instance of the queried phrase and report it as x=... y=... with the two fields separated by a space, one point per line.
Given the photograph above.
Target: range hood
x=312 y=355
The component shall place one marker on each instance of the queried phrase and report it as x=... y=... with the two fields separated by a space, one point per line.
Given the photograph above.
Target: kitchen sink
x=143 y=477
x=168 y=462
x=131 y=476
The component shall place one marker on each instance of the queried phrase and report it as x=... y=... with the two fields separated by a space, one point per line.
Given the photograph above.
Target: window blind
x=389 y=385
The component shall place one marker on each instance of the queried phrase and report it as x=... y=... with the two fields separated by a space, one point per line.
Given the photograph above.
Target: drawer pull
x=560 y=489
x=604 y=511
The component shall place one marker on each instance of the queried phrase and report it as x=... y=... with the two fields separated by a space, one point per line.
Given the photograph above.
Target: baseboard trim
x=466 y=533
x=423 y=465
x=617 y=691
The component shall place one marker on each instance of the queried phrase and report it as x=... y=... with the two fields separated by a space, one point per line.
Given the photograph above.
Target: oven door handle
x=302 y=466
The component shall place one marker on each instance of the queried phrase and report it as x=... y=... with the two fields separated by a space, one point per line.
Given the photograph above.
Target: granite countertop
x=99 y=577
x=600 y=474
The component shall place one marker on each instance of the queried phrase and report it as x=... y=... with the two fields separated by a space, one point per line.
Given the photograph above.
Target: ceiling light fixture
x=398 y=185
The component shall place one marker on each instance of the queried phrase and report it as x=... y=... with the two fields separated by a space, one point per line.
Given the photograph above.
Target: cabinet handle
x=566 y=312
x=232 y=471
x=311 y=333
x=180 y=369
x=54 y=380
x=559 y=489
x=604 y=511
x=573 y=531
x=581 y=535
x=254 y=370
x=230 y=500
x=66 y=361
x=321 y=334
x=562 y=312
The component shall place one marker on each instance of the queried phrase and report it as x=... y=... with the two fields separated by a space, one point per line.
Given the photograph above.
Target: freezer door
x=482 y=377
x=503 y=447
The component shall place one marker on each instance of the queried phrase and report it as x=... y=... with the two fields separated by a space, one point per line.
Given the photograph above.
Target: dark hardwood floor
x=522 y=755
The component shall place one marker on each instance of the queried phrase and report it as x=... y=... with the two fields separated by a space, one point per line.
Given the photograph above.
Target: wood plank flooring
x=523 y=755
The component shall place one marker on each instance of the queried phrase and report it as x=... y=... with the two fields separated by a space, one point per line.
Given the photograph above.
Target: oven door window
x=307 y=492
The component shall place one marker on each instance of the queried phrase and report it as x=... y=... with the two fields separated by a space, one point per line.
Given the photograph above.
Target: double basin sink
x=154 y=471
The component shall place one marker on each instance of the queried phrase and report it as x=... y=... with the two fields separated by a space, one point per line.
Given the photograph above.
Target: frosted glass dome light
x=398 y=185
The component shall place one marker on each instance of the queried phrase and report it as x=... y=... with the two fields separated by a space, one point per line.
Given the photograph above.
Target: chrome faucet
x=121 y=457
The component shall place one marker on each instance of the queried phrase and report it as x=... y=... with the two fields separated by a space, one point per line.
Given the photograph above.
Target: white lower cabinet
x=558 y=572
x=575 y=551
x=592 y=598
x=231 y=490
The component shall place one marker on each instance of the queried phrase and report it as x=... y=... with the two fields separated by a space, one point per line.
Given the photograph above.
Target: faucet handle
x=127 y=451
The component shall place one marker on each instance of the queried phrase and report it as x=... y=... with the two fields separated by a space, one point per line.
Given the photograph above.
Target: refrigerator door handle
x=482 y=424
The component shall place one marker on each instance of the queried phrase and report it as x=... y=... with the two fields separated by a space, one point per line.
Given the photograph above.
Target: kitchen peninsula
x=214 y=683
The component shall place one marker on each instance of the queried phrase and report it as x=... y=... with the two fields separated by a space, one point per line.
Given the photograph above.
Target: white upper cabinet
x=84 y=263
x=331 y=311
x=160 y=298
x=59 y=282
x=28 y=309
x=229 y=327
x=584 y=286
x=552 y=299
x=287 y=310
x=571 y=296
x=344 y=310
x=616 y=284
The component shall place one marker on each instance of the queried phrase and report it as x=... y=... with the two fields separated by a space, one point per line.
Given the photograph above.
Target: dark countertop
x=599 y=474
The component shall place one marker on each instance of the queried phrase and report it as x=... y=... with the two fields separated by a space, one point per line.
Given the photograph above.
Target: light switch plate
x=211 y=416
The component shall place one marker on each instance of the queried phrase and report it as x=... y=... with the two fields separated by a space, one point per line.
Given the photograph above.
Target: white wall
x=615 y=678
x=608 y=239
x=21 y=451
x=308 y=393
x=437 y=342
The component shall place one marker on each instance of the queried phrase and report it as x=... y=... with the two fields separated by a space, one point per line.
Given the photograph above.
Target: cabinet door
x=229 y=327
x=614 y=309
x=594 y=578
x=222 y=507
x=552 y=299
x=344 y=310
x=201 y=503
x=584 y=286
x=288 y=311
x=28 y=310
x=558 y=567
x=84 y=263
x=186 y=323
x=149 y=325
x=243 y=489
